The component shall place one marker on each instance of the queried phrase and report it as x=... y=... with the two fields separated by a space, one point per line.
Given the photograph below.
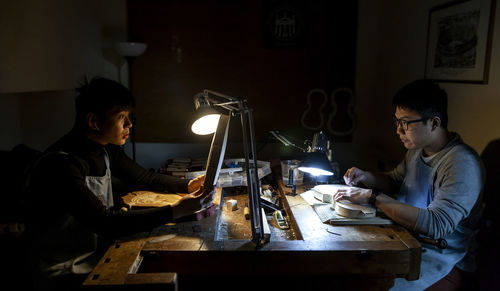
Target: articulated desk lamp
x=317 y=159
x=214 y=111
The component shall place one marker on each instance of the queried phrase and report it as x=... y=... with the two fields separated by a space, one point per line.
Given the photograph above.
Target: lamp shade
x=130 y=49
x=316 y=164
x=206 y=120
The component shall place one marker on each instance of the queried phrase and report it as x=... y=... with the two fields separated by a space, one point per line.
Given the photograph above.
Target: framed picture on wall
x=284 y=24
x=459 y=41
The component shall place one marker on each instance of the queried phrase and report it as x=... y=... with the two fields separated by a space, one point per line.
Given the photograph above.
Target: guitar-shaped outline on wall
x=350 y=112
x=306 y=112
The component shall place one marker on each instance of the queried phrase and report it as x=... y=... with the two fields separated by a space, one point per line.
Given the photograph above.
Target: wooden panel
x=177 y=243
x=152 y=281
x=391 y=258
x=114 y=266
x=415 y=252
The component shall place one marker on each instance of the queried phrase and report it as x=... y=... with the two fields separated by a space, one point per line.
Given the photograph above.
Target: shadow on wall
x=489 y=231
x=14 y=215
x=36 y=119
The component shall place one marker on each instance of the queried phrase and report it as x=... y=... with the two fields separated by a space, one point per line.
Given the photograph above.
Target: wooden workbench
x=216 y=253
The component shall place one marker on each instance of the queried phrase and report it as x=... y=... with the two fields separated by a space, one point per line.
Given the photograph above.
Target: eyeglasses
x=404 y=123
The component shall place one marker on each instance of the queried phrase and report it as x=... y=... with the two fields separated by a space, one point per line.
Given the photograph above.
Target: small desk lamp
x=130 y=51
x=211 y=106
x=317 y=158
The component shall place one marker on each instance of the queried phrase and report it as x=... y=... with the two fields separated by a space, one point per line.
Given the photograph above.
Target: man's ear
x=92 y=121
x=436 y=122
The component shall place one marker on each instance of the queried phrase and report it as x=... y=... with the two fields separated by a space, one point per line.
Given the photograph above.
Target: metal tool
x=439 y=243
x=280 y=220
x=269 y=205
x=291 y=182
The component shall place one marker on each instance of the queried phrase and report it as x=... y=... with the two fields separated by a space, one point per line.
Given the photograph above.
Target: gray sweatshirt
x=458 y=183
x=452 y=213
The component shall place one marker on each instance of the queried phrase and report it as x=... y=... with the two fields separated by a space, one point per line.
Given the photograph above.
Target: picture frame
x=459 y=41
x=284 y=24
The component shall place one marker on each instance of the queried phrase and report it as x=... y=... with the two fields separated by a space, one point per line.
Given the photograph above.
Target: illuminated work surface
x=190 y=252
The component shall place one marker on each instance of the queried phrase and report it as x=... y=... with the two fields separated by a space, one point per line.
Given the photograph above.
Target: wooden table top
x=310 y=247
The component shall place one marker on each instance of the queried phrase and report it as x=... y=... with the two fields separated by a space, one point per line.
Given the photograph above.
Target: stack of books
x=232 y=173
x=180 y=166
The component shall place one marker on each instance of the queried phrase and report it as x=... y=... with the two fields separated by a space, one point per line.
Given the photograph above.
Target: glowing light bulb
x=206 y=124
x=315 y=171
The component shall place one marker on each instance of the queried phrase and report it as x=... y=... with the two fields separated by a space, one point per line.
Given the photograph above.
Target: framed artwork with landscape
x=459 y=41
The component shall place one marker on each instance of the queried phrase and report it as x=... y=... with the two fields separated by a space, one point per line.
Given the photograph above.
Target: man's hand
x=195 y=184
x=355 y=177
x=356 y=195
x=189 y=204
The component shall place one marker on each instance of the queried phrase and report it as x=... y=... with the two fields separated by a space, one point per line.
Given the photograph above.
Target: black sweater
x=58 y=188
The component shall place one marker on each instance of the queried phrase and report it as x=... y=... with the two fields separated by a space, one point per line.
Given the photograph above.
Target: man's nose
x=400 y=129
x=128 y=123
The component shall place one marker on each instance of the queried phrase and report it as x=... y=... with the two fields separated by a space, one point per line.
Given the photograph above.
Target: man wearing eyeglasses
x=435 y=191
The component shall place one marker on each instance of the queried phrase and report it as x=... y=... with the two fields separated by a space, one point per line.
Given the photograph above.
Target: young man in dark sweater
x=76 y=214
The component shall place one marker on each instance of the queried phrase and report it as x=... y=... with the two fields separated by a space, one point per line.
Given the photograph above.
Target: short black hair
x=426 y=98
x=100 y=95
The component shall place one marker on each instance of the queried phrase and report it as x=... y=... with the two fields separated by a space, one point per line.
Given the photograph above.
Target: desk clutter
x=234 y=222
x=341 y=212
x=180 y=166
x=232 y=173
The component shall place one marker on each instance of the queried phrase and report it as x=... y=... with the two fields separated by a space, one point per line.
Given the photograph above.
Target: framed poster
x=284 y=24
x=459 y=41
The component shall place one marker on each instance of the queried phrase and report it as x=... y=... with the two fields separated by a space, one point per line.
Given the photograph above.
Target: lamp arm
x=284 y=140
x=281 y=138
x=210 y=92
x=226 y=105
x=253 y=182
x=239 y=106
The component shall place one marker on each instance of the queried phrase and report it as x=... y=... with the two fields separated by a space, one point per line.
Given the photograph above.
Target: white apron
x=68 y=246
x=101 y=186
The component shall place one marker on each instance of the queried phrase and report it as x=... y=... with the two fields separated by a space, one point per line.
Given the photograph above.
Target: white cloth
x=57 y=258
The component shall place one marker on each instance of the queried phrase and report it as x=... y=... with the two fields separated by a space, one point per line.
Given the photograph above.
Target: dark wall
x=226 y=46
